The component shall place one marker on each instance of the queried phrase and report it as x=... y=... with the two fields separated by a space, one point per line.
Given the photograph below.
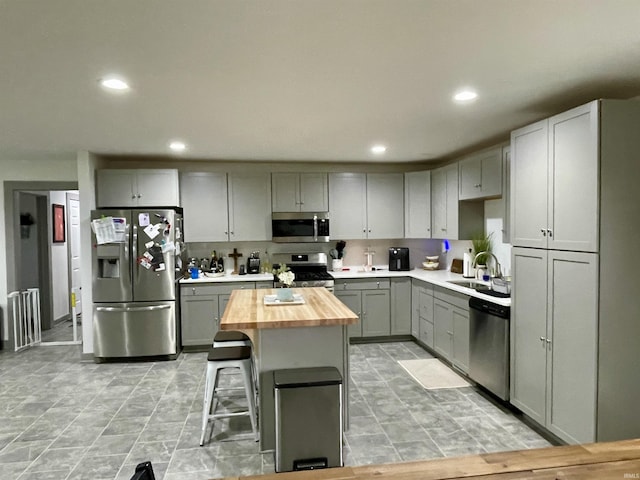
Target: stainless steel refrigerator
x=136 y=259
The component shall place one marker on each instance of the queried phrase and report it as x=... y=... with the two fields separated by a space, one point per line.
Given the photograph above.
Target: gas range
x=310 y=269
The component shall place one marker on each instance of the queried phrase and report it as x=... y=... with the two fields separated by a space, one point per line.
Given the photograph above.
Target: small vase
x=285 y=294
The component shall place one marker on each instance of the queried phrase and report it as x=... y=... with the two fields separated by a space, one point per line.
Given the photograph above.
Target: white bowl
x=432 y=259
x=430 y=265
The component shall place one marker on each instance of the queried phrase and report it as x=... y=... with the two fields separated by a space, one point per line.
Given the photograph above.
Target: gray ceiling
x=303 y=80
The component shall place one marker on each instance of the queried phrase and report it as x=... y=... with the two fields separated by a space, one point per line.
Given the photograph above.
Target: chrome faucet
x=495 y=260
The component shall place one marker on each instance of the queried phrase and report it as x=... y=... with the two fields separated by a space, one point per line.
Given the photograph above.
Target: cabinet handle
x=477 y=185
x=232 y=232
x=548 y=341
x=443 y=229
x=550 y=232
x=369 y=230
x=193 y=290
x=139 y=195
x=378 y=284
x=544 y=232
x=449 y=333
x=133 y=197
x=226 y=232
x=364 y=230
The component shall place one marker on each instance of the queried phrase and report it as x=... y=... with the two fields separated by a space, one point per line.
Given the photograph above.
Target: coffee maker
x=253 y=263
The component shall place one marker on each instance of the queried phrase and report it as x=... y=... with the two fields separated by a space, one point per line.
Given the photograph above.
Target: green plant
x=481 y=243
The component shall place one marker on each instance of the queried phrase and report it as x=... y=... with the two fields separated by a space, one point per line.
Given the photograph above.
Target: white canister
x=336 y=264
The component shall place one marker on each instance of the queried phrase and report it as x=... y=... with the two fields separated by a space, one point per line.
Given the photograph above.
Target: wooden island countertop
x=246 y=310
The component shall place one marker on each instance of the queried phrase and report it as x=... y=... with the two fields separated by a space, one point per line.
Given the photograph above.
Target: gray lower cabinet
x=371 y=300
x=451 y=327
x=201 y=307
x=422 y=312
x=400 y=306
x=554 y=329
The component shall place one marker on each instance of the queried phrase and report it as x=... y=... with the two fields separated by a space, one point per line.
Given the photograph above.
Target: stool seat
x=230 y=336
x=219 y=354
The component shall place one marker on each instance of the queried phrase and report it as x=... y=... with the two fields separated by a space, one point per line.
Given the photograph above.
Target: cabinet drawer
x=426 y=332
x=454 y=298
x=218 y=289
x=425 y=302
x=264 y=284
x=370 y=284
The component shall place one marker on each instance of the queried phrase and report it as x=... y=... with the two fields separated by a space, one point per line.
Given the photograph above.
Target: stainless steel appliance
x=134 y=283
x=489 y=346
x=310 y=269
x=253 y=263
x=300 y=227
x=398 y=258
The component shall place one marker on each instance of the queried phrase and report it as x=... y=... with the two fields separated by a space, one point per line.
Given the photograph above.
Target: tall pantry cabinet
x=574 y=317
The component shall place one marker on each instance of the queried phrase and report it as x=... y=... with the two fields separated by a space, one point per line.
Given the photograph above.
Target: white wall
x=26 y=169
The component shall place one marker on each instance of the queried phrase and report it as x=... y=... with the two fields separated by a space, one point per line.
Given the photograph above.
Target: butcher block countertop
x=246 y=310
x=595 y=461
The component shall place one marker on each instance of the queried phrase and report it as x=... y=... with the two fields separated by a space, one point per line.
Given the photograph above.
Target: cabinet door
x=470 y=178
x=314 y=196
x=199 y=319
x=426 y=305
x=573 y=330
x=439 y=203
x=347 y=204
x=285 y=194
x=444 y=202
x=529 y=185
x=116 y=188
x=249 y=207
x=491 y=173
x=460 y=338
x=506 y=195
x=157 y=188
x=417 y=205
x=415 y=308
x=442 y=328
x=529 y=331
x=385 y=205
x=222 y=303
x=353 y=301
x=400 y=306
x=204 y=200
x=573 y=180
x=375 y=313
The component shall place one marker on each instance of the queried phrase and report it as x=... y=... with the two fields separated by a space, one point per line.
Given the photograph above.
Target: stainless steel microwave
x=290 y=227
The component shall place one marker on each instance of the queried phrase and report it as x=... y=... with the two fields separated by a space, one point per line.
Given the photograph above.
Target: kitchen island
x=310 y=334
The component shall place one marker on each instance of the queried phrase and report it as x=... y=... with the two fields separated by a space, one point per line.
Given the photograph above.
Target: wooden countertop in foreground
x=246 y=310
x=595 y=461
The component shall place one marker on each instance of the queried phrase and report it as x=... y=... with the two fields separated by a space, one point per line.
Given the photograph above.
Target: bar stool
x=228 y=357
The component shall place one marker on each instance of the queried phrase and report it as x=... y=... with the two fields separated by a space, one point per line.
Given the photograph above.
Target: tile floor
x=62 y=418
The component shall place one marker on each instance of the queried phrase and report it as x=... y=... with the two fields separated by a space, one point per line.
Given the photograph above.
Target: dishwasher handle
x=489 y=307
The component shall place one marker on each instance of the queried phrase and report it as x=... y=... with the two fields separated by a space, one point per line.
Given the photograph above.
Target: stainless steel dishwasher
x=489 y=346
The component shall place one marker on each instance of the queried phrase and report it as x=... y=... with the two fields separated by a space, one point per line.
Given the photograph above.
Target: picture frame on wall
x=58 y=223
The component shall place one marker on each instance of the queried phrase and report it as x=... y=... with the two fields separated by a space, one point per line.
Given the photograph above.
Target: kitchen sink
x=476 y=285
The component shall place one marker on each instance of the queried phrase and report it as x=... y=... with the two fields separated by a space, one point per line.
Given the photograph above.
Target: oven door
x=296 y=227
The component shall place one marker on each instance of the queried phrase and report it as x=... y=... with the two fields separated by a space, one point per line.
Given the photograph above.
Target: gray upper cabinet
x=506 y=194
x=249 y=206
x=366 y=205
x=451 y=218
x=417 y=204
x=348 y=205
x=481 y=175
x=385 y=205
x=554 y=182
x=204 y=200
x=137 y=188
x=299 y=192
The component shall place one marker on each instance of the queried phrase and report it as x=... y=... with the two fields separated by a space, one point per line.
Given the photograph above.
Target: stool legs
x=211 y=396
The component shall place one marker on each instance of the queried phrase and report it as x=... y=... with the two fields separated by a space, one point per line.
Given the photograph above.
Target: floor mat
x=432 y=374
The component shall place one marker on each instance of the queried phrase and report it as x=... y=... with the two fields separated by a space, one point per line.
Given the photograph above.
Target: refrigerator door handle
x=134 y=250
x=133 y=309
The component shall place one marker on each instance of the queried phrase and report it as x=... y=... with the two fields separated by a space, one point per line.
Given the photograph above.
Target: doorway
x=40 y=262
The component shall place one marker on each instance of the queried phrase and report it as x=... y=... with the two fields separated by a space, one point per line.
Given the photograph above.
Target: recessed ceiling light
x=114 y=83
x=378 y=149
x=465 y=96
x=177 y=146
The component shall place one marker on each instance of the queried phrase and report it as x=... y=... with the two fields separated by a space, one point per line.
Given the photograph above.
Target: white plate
x=273 y=300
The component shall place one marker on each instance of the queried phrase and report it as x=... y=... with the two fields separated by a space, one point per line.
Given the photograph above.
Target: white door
x=75 y=265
